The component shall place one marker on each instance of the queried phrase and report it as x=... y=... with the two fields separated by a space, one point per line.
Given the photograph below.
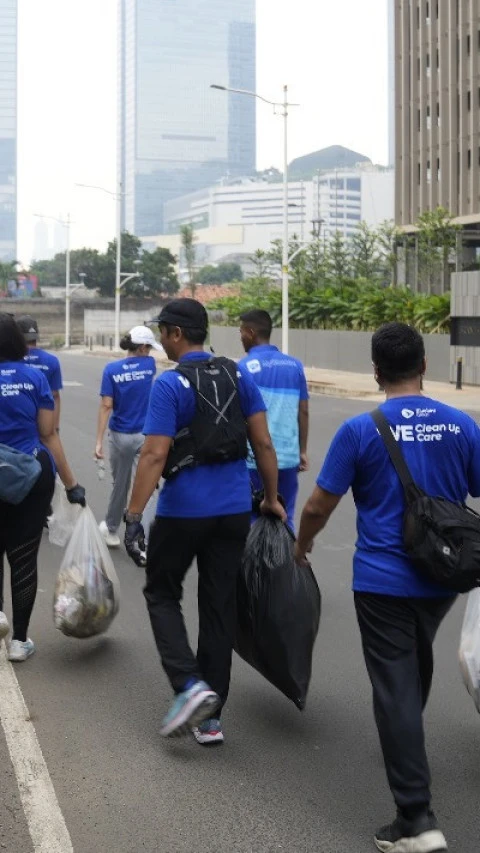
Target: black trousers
x=21 y=528
x=218 y=545
x=397 y=638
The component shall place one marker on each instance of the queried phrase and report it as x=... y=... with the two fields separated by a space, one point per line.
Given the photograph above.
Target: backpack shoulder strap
x=394 y=452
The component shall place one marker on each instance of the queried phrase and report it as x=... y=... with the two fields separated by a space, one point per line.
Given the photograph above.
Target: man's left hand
x=300 y=556
x=303 y=462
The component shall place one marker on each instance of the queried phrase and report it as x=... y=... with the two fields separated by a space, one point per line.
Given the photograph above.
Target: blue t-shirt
x=441 y=446
x=49 y=364
x=206 y=490
x=128 y=382
x=281 y=379
x=23 y=391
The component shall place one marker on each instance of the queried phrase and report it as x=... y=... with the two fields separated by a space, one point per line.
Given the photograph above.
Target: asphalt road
x=310 y=782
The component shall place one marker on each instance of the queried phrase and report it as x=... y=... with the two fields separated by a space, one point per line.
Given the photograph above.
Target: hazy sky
x=333 y=56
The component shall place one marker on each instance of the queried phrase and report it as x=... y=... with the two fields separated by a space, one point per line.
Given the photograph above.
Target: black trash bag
x=278 y=610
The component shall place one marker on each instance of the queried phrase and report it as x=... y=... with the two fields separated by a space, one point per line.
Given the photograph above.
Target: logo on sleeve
x=254 y=365
x=184 y=381
x=407 y=413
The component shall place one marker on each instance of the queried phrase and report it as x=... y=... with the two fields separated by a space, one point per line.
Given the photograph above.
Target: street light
x=118 y=260
x=66 y=223
x=278 y=109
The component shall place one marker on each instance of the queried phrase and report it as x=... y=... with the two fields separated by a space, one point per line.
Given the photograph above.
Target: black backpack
x=217 y=432
x=441 y=537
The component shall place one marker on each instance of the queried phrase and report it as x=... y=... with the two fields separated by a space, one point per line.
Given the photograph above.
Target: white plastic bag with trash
x=469 y=651
x=64 y=516
x=87 y=590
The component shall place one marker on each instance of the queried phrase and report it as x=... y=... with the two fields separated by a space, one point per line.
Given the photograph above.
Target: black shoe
x=420 y=835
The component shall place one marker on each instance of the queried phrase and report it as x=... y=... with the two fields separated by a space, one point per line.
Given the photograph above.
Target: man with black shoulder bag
x=410 y=465
x=198 y=421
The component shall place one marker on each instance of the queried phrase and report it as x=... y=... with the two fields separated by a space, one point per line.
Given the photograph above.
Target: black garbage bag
x=278 y=610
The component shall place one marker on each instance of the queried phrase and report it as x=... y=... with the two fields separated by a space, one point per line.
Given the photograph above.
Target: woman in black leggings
x=26 y=424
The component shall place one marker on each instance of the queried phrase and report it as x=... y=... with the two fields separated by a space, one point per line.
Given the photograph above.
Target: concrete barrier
x=335 y=350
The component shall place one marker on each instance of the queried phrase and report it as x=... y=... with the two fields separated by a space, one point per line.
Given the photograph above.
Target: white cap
x=144 y=335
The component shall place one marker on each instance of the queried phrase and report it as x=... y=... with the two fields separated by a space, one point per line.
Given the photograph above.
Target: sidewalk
x=341 y=383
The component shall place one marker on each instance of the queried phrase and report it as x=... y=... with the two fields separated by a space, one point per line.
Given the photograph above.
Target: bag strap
x=410 y=487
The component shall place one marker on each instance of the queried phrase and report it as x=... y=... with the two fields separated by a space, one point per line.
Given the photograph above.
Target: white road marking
x=42 y=811
x=71 y=383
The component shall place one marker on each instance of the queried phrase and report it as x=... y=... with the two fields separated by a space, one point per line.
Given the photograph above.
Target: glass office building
x=8 y=130
x=178 y=135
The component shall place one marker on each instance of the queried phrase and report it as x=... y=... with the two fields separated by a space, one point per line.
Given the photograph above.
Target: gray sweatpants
x=124 y=451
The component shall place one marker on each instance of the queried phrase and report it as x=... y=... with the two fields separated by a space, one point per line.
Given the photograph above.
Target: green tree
x=365 y=254
x=388 y=237
x=338 y=262
x=437 y=237
x=221 y=274
x=188 y=237
x=8 y=272
x=158 y=273
x=51 y=273
x=208 y=275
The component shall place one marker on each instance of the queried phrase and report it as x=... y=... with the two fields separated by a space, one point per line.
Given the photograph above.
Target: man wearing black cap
x=196 y=428
x=42 y=360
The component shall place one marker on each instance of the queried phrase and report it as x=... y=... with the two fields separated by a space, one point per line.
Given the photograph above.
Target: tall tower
x=437 y=72
x=176 y=134
x=8 y=130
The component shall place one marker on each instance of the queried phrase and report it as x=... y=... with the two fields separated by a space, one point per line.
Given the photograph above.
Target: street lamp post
x=118 y=258
x=279 y=109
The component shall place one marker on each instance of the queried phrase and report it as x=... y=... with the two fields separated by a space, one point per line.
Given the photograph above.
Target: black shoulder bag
x=441 y=537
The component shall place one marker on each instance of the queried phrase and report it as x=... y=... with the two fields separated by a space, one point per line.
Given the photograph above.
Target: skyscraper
x=8 y=129
x=437 y=66
x=176 y=134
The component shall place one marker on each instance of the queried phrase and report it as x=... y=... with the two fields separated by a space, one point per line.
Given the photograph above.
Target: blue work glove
x=76 y=495
x=135 y=542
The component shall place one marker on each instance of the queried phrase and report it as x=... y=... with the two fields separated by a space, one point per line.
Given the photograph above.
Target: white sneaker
x=111 y=539
x=20 y=651
x=4 y=626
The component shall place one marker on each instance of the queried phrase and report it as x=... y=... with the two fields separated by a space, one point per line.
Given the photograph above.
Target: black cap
x=185 y=313
x=29 y=326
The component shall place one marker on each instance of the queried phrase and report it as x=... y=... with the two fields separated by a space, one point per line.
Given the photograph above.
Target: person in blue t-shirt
x=281 y=379
x=27 y=424
x=125 y=391
x=42 y=360
x=398 y=610
x=203 y=512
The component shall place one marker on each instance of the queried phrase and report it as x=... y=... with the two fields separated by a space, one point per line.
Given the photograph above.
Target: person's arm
x=50 y=439
x=56 y=400
x=149 y=471
x=104 y=412
x=266 y=459
x=315 y=515
x=303 y=434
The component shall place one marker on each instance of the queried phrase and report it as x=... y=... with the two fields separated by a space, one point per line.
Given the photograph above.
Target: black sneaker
x=420 y=835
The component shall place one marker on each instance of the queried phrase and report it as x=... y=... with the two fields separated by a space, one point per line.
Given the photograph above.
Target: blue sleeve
x=163 y=407
x=106 y=389
x=45 y=399
x=55 y=378
x=473 y=472
x=251 y=400
x=304 y=395
x=338 y=470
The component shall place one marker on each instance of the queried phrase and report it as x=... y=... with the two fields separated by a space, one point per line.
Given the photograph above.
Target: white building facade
x=240 y=217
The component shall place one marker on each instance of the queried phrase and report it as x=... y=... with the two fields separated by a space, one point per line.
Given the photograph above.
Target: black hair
x=193 y=336
x=127 y=344
x=398 y=352
x=259 y=320
x=13 y=346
